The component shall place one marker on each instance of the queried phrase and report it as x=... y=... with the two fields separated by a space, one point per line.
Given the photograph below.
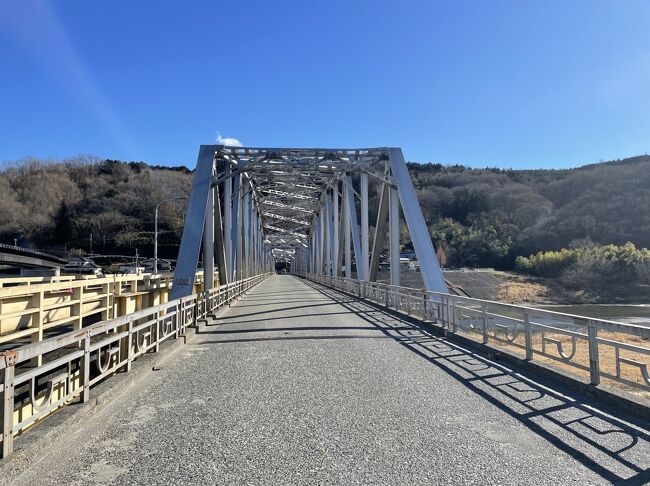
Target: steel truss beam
x=302 y=206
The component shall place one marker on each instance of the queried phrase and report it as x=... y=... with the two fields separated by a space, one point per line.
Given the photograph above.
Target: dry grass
x=519 y=291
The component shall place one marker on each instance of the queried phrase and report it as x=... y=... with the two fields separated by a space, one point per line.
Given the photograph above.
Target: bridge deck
x=298 y=384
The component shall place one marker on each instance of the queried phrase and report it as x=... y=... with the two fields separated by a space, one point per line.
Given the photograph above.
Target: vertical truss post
x=258 y=253
x=208 y=243
x=188 y=254
x=356 y=243
x=312 y=245
x=330 y=235
x=317 y=248
x=235 y=229
x=239 y=232
x=394 y=237
x=305 y=263
x=257 y=243
x=244 y=226
x=326 y=237
x=335 y=241
x=341 y=226
x=263 y=262
x=260 y=242
x=365 y=243
x=258 y=239
x=321 y=241
x=227 y=220
x=429 y=266
x=219 y=239
x=310 y=250
x=258 y=234
x=346 y=231
x=249 y=231
x=252 y=236
x=380 y=232
x=255 y=255
x=253 y=223
x=245 y=233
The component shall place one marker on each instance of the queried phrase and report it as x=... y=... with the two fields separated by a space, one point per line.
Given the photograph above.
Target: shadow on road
x=568 y=423
x=602 y=442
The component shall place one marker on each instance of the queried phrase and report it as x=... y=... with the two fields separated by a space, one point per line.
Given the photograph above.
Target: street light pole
x=155 y=231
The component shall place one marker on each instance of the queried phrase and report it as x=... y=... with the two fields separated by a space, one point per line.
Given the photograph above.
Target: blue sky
x=550 y=83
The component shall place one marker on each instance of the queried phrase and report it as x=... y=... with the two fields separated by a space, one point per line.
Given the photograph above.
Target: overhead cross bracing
x=252 y=207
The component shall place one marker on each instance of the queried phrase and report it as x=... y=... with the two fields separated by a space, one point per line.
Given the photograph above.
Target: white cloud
x=229 y=141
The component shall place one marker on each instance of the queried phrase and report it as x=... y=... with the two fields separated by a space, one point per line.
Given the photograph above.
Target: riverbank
x=524 y=289
x=513 y=288
x=544 y=293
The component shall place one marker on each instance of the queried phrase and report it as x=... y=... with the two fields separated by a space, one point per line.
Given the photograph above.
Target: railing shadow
x=569 y=423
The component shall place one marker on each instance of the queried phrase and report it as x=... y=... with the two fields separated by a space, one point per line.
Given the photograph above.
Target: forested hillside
x=59 y=205
x=479 y=217
x=488 y=217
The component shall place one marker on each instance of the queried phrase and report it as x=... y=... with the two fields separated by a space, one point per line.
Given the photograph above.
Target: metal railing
x=74 y=362
x=591 y=348
x=46 y=256
x=31 y=308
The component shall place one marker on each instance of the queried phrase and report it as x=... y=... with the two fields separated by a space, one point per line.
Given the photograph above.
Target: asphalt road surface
x=299 y=384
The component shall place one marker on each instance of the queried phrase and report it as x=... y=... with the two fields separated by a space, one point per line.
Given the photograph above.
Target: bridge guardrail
x=594 y=349
x=75 y=361
x=41 y=254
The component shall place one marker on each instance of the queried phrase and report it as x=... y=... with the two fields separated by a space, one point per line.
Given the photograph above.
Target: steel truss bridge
x=255 y=206
x=325 y=376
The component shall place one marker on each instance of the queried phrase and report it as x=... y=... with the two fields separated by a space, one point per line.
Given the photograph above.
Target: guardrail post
x=528 y=336
x=84 y=370
x=157 y=347
x=129 y=345
x=484 y=319
x=594 y=363
x=446 y=318
x=179 y=317
x=454 y=317
x=424 y=306
x=7 y=409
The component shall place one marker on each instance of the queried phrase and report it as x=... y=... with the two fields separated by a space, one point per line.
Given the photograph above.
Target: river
x=631 y=314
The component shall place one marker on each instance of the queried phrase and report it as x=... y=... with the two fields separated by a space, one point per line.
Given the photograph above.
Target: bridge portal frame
x=253 y=206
